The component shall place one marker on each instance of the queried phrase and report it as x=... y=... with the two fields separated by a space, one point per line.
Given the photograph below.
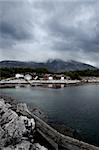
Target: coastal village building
x=59 y=77
x=50 y=78
x=28 y=77
x=62 y=78
x=19 y=76
x=53 y=77
x=45 y=77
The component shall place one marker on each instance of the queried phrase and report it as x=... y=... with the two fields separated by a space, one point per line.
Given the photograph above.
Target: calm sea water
x=76 y=107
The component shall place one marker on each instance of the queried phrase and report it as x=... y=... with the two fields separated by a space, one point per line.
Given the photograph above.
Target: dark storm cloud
x=43 y=29
x=14 y=24
x=79 y=30
x=10 y=31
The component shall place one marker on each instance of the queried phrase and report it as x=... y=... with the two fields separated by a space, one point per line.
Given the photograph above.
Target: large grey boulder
x=8 y=116
x=23 y=145
x=29 y=123
x=2 y=100
x=3 y=107
x=2 y=103
x=14 y=130
x=12 y=127
x=22 y=107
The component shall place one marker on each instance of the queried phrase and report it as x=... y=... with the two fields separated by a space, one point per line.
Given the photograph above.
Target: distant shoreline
x=44 y=83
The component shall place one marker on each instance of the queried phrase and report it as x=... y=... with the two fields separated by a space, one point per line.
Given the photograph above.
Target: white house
x=50 y=78
x=28 y=77
x=19 y=76
x=62 y=78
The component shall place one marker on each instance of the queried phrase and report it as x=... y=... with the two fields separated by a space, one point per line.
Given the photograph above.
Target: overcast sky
x=36 y=30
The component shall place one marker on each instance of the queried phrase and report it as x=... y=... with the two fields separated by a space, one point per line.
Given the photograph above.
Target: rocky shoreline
x=33 y=109
x=42 y=115
x=22 y=130
x=16 y=131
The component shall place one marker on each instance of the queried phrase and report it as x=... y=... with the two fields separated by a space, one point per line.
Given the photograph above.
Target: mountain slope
x=54 y=65
x=61 y=66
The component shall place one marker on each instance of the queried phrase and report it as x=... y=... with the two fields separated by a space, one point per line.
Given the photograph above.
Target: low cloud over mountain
x=53 y=65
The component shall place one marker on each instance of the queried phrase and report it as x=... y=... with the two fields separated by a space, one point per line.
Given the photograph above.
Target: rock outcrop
x=22 y=130
x=16 y=131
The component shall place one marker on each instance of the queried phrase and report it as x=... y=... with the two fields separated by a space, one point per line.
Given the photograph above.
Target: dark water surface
x=76 y=107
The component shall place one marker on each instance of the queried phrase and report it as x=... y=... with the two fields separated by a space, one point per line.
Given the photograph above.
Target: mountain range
x=53 y=65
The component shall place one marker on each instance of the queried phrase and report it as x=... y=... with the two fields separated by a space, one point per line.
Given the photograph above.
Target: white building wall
x=28 y=77
x=19 y=76
x=50 y=78
x=62 y=78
